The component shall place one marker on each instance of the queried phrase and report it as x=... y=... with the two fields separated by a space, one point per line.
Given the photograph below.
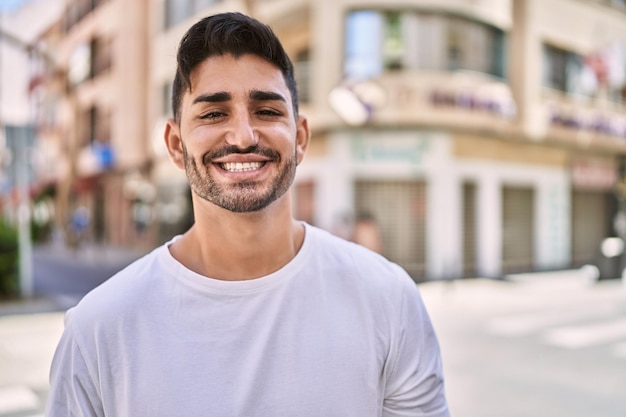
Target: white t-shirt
x=338 y=331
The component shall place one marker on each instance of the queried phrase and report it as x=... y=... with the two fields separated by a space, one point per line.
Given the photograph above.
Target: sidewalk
x=27 y=343
x=30 y=330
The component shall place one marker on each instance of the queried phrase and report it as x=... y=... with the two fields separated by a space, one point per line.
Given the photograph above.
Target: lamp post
x=25 y=244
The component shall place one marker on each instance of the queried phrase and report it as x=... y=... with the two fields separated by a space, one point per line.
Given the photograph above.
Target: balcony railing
x=474 y=102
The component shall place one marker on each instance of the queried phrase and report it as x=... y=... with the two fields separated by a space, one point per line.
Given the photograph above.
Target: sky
x=24 y=23
x=7 y=5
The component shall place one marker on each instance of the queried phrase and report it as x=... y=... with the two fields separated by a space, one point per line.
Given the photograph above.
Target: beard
x=243 y=197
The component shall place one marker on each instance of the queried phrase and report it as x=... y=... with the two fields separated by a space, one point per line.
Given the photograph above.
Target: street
x=548 y=345
x=65 y=275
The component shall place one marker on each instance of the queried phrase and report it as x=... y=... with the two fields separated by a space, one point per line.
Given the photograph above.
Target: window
x=562 y=70
x=79 y=69
x=46 y=108
x=100 y=56
x=363 y=44
x=202 y=5
x=95 y=126
x=379 y=41
x=620 y=4
x=76 y=10
x=302 y=73
x=474 y=47
x=166 y=99
x=176 y=11
x=102 y=126
x=393 y=44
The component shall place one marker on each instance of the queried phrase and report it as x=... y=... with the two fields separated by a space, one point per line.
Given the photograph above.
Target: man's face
x=238 y=139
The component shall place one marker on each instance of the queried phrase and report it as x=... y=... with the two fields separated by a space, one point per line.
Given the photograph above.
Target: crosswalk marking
x=524 y=324
x=578 y=336
x=619 y=350
x=586 y=326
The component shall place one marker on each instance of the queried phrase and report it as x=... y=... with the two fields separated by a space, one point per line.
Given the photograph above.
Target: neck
x=239 y=246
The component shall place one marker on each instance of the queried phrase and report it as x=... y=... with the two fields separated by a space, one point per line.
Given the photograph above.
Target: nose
x=241 y=133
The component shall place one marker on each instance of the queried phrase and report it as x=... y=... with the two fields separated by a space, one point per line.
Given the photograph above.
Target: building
x=486 y=153
x=19 y=27
x=481 y=137
x=479 y=150
x=92 y=119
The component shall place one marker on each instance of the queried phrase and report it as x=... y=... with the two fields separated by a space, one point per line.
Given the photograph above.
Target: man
x=250 y=312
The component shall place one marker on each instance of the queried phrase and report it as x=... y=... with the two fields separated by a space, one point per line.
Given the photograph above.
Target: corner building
x=483 y=137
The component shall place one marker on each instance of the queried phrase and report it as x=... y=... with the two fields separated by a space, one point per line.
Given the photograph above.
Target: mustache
x=210 y=156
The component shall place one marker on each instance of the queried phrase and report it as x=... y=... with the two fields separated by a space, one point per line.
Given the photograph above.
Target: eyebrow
x=222 y=96
x=259 y=95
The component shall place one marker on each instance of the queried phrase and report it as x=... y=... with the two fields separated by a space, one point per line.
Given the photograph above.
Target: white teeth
x=241 y=166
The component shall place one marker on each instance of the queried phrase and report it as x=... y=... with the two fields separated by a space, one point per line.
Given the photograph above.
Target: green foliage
x=9 y=261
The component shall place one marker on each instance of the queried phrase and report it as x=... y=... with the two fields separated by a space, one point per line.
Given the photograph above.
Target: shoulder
x=363 y=281
x=352 y=262
x=121 y=294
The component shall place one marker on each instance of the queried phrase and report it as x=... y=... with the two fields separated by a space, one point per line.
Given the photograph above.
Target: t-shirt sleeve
x=414 y=376
x=73 y=391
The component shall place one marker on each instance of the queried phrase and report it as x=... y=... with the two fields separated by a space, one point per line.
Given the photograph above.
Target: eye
x=211 y=115
x=269 y=113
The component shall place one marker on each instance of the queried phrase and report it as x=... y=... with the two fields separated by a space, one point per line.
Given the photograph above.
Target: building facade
x=488 y=142
x=92 y=119
x=19 y=28
x=469 y=138
x=471 y=134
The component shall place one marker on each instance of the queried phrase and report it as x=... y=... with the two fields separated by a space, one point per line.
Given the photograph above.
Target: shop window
x=517 y=229
x=591 y=223
x=470 y=230
x=394 y=214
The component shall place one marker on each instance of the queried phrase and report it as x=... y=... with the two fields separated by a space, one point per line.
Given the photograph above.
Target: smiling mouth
x=241 y=166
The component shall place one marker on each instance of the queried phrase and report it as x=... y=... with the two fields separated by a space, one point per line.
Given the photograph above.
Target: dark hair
x=223 y=34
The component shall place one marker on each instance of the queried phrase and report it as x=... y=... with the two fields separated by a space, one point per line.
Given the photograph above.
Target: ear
x=174 y=143
x=303 y=136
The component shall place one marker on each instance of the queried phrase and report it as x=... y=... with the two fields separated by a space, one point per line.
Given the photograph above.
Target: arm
x=414 y=376
x=73 y=389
